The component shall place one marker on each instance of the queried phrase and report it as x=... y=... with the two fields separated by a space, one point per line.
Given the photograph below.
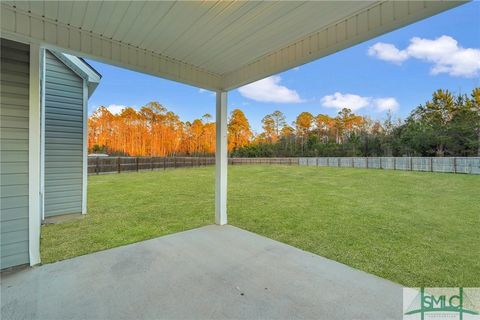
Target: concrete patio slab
x=214 y=272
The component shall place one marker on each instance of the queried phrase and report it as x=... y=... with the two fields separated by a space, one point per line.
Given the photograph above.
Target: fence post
x=119 y=165
x=366 y=161
x=394 y=163
x=431 y=164
x=97 y=165
x=353 y=162
x=328 y=162
x=175 y=162
x=164 y=163
x=411 y=163
x=454 y=164
x=136 y=161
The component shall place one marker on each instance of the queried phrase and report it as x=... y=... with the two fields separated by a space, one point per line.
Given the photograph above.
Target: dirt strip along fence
x=468 y=165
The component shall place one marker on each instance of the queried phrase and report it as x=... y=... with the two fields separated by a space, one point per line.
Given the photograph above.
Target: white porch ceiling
x=211 y=44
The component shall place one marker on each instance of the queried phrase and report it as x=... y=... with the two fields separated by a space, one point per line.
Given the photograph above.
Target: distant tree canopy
x=151 y=131
x=447 y=125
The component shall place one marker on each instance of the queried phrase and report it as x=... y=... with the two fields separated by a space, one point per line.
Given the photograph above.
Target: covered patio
x=214 y=272
x=214 y=45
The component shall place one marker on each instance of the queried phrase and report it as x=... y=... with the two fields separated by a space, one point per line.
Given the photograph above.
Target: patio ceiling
x=217 y=45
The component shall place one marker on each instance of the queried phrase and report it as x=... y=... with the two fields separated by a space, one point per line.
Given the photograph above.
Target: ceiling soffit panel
x=216 y=45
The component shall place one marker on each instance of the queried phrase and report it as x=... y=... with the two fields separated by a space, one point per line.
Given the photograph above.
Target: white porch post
x=221 y=160
x=34 y=132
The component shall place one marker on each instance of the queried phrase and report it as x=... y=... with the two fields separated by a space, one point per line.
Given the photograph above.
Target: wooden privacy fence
x=97 y=165
x=469 y=165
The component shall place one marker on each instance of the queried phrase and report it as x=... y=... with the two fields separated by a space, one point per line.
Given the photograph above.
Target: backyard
x=414 y=228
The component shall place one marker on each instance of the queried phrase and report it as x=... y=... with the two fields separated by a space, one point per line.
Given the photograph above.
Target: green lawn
x=417 y=229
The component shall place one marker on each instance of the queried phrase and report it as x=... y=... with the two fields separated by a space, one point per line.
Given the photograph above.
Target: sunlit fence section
x=98 y=165
x=469 y=165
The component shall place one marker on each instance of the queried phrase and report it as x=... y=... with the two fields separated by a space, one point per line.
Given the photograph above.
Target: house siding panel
x=14 y=113
x=63 y=138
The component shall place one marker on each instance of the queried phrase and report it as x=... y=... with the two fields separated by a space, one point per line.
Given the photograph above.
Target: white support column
x=221 y=160
x=34 y=145
x=85 y=147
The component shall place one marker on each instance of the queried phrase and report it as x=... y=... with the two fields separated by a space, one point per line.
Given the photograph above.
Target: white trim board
x=34 y=146
x=85 y=147
x=42 y=134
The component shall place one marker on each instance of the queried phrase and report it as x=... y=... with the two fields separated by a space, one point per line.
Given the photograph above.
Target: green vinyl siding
x=14 y=113
x=63 y=138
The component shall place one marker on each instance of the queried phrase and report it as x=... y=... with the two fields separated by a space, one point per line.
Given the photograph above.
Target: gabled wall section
x=64 y=112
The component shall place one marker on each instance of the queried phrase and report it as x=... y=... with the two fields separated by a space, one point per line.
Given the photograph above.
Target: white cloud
x=339 y=101
x=270 y=90
x=356 y=102
x=387 y=52
x=444 y=53
x=386 y=104
x=116 y=108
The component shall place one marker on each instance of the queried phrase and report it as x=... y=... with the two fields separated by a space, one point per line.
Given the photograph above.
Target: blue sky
x=396 y=71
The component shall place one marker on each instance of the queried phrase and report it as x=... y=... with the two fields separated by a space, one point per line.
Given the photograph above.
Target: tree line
x=446 y=125
x=150 y=131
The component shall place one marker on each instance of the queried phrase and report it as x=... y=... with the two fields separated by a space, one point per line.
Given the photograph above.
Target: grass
x=416 y=229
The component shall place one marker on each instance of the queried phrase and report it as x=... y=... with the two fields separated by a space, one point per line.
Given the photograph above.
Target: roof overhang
x=216 y=45
x=81 y=68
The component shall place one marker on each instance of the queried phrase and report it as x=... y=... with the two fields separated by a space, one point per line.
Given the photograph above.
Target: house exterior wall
x=14 y=134
x=64 y=103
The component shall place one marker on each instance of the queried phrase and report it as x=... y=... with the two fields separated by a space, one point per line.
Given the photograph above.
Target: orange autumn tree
x=239 y=133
